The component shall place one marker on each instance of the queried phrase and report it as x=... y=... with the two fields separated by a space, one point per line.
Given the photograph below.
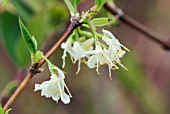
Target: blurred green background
x=143 y=89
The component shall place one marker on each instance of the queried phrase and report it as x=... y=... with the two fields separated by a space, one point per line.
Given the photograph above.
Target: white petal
x=88 y=43
x=87 y=53
x=91 y=63
x=78 y=50
x=65 y=98
x=47 y=92
x=59 y=75
x=63 y=46
x=62 y=83
x=37 y=87
x=56 y=97
x=107 y=40
x=108 y=33
x=41 y=86
x=121 y=54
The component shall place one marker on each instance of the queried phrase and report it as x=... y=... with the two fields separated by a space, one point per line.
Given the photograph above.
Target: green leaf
x=100 y=21
x=30 y=41
x=99 y=4
x=9 y=32
x=70 y=7
x=75 y=3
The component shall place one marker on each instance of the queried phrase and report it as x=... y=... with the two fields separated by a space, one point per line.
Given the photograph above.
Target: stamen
x=63 y=57
x=97 y=66
x=68 y=90
x=118 y=60
x=108 y=59
x=79 y=63
x=123 y=46
x=72 y=59
x=110 y=75
x=60 y=88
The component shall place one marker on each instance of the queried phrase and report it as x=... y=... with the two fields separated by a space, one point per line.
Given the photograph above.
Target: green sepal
x=30 y=40
x=7 y=112
x=50 y=66
x=101 y=21
x=85 y=33
x=36 y=57
x=70 y=7
x=93 y=30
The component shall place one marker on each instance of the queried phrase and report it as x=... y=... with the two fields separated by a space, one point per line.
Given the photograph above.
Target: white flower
x=99 y=57
x=114 y=52
x=54 y=88
x=111 y=40
x=76 y=50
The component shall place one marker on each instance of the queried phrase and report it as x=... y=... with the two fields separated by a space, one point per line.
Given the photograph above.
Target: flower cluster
x=105 y=49
x=108 y=51
x=83 y=46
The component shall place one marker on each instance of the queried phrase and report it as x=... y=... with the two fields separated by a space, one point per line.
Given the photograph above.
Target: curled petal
x=65 y=98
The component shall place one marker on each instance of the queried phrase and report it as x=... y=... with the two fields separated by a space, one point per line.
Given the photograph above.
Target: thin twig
x=29 y=76
x=137 y=26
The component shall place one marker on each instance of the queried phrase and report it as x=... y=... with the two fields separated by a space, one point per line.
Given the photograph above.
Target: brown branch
x=29 y=76
x=137 y=26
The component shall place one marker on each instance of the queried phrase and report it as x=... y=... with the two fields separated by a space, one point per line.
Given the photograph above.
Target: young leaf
x=70 y=7
x=30 y=41
x=99 y=3
x=75 y=3
x=100 y=21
